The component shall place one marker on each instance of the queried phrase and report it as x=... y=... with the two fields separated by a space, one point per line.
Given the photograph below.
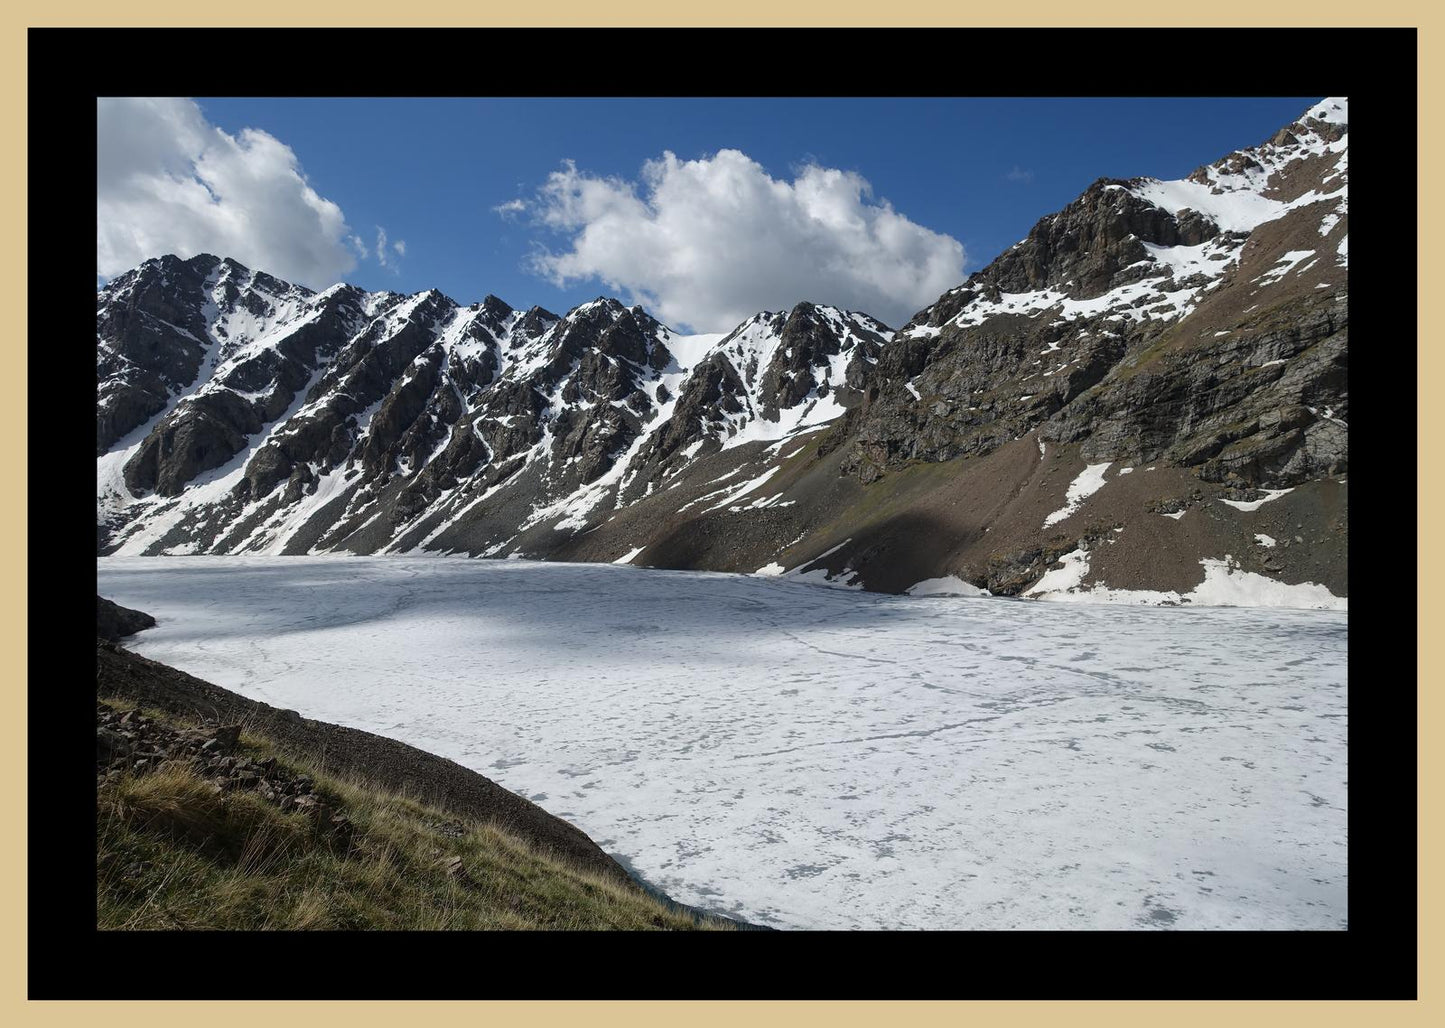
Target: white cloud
x=1020 y=174
x=707 y=243
x=168 y=181
x=511 y=208
x=383 y=254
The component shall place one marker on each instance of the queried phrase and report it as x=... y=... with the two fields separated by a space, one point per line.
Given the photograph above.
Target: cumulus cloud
x=511 y=208
x=706 y=243
x=168 y=181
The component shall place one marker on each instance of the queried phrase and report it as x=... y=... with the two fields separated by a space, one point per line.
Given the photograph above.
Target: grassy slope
x=176 y=853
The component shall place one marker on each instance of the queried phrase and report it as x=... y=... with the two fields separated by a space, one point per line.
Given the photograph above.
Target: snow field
x=818 y=758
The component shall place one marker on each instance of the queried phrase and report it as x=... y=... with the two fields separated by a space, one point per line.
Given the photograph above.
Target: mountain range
x=1144 y=400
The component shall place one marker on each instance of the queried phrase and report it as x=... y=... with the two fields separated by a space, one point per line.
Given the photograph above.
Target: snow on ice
x=816 y=758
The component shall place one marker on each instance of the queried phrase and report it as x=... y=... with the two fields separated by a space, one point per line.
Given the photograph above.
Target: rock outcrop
x=114 y=622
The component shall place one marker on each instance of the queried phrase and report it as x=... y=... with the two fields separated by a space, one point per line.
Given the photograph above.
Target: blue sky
x=764 y=197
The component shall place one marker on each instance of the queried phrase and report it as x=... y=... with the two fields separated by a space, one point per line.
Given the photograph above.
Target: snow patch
x=740 y=490
x=1269 y=494
x=1224 y=585
x=1227 y=586
x=948 y=585
x=1283 y=266
x=1088 y=482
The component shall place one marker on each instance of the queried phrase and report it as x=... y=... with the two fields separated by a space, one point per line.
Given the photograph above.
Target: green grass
x=176 y=853
x=893 y=495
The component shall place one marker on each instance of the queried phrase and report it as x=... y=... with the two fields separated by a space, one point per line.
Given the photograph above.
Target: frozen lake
x=812 y=758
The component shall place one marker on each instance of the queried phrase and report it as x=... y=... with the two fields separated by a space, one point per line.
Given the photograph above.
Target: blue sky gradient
x=431 y=172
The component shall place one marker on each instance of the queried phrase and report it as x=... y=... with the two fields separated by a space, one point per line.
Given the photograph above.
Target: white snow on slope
x=689 y=351
x=1225 y=585
x=1284 y=266
x=1234 y=211
x=732 y=493
x=822 y=759
x=1235 y=200
x=948 y=585
x=1086 y=484
x=1247 y=505
x=1334 y=109
x=1062 y=581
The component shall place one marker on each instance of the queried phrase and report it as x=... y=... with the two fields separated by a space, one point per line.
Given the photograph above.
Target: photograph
x=755 y=513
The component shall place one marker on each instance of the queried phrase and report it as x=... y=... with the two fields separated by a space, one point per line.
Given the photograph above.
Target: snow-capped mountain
x=239 y=413
x=1146 y=395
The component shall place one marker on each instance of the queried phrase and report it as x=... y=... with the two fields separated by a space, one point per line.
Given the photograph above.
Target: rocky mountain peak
x=1093 y=245
x=1195 y=328
x=494 y=306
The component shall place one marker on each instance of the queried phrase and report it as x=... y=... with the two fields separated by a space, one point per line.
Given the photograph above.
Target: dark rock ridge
x=1197 y=327
x=1144 y=333
x=407 y=409
x=114 y=622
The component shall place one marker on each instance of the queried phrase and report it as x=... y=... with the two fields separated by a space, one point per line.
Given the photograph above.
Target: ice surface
x=825 y=759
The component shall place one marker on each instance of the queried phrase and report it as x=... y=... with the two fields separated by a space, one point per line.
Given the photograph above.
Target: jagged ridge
x=268 y=414
x=1197 y=326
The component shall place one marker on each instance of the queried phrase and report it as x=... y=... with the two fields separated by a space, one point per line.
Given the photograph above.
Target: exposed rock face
x=114 y=622
x=400 y=412
x=1199 y=326
x=1144 y=329
x=1095 y=244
